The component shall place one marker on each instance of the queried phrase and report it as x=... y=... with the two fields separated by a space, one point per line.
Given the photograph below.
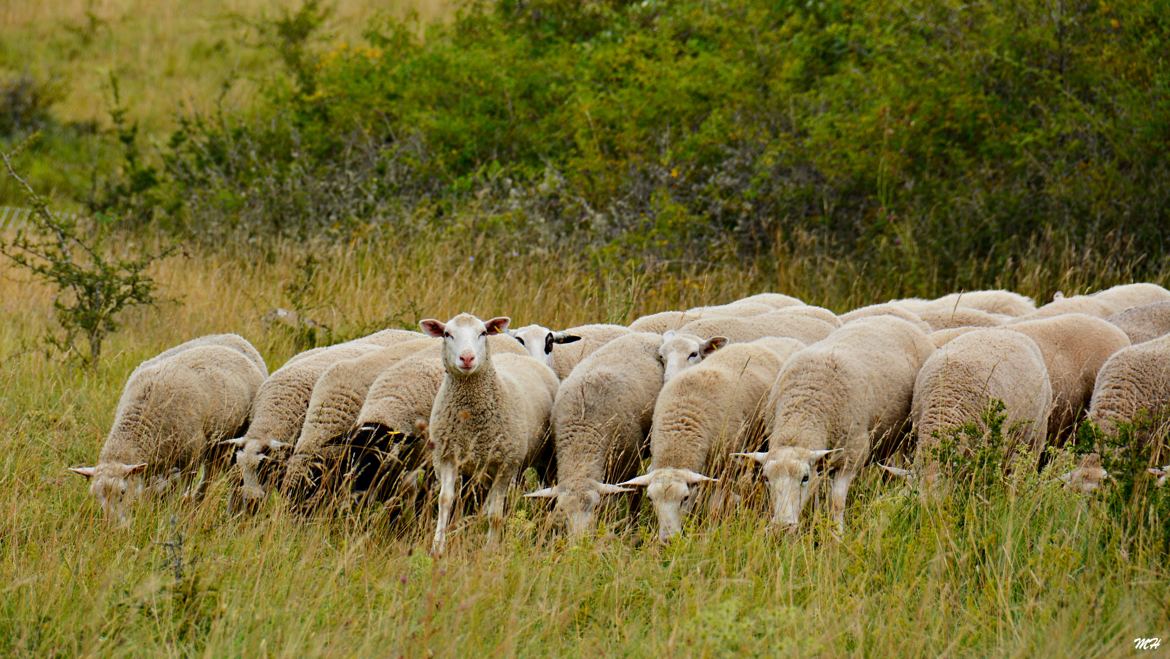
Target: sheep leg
x=447 y=476
x=840 y=490
x=494 y=503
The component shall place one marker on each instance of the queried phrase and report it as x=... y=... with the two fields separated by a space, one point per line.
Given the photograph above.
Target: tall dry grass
x=1029 y=570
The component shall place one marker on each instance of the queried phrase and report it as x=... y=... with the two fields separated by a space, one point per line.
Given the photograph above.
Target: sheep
x=1128 y=296
x=279 y=413
x=849 y=394
x=1085 y=304
x=600 y=419
x=680 y=350
x=1133 y=385
x=996 y=302
x=491 y=415
x=171 y=414
x=585 y=339
x=701 y=416
x=233 y=341
x=885 y=309
x=944 y=336
x=736 y=309
x=336 y=400
x=775 y=300
x=951 y=317
x=663 y=321
x=796 y=325
x=1143 y=323
x=1074 y=346
x=958 y=382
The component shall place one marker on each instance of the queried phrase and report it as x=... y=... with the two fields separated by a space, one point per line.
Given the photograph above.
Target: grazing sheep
x=171 y=414
x=849 y=394
x=1133 y=385
x=775 y=300
x=886 y=309
x=951 y=317
x=279 y=413
x=600 y=420
x=1128 y=296
x=1074 y=346
x=996 y=302
x=585 y=339
x=663 y=321
x=233 y=341
x=1144 y=323
x=795 y=325
x=491 y=416
x=1085 y=304
x=961 y=379
x=701 y=416
x=679 y=351
x=337 y=398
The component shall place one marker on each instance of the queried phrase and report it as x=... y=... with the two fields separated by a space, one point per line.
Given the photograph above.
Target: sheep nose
x=467 y=360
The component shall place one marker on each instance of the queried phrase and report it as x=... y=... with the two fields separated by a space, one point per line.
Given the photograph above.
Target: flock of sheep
x=806 y=394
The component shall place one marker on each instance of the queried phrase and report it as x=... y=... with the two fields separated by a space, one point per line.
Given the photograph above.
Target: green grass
x=1026 y=569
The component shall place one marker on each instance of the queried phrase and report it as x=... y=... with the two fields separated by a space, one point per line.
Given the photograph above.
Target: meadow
x=1021 y=569
x=564 y=162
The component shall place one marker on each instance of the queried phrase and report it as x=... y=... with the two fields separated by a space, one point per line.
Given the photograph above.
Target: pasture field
x=1023 y=568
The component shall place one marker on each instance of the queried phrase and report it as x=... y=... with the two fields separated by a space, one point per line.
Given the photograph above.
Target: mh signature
x=1147 y=643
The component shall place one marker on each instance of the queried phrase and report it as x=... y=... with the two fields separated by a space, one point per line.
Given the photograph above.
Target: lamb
x=1074 y=346
x=701 y=416
x=849 y=394
x=172 y=413
x=1128 y=296
x=600 y=421
x=1144 y=323
x=996 y=302
x=491 y=415
x=886 y=309
x=585 y=339
x=960 y=380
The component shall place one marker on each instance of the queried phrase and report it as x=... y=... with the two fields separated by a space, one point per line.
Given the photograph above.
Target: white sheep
x=1086 y=304
x=1074 y=346
x=959 y=381
x=679 y=350
x=171 y=414
x=600 y=421
x=794 y=324
x=576 y=343
x=1128 y=296
x=775 y=300
x=663 y=321
x=943 y=317
x=701 y=416
x=849 y=394
x=491 y=416
x=1143 y=323
x=996 y=302
x=886 y=309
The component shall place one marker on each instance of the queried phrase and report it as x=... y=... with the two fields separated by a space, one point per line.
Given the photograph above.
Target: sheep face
x=115 y=486
x=672 y=491
x=464 y=340
x=539 y=341
x=678 y=351
x=790 y=472
x=577 y=502
x=254 y=457
x=1087 y=477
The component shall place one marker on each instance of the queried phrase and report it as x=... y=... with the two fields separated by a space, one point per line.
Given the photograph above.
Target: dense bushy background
x=917 y=133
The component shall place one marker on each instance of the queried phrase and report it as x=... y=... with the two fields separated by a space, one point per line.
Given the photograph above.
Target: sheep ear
x=561 y=337
x=820 y=453
x=546 y=493
x=135 y=469
x=88 y=472
x=432 y=327
x=693 y=477
x=640 y=481
x=497 y=325
x=1157 y=471
x=898 y=471
x=606 y=488
x=759 y=456
x=712 y=344
x=237 y=441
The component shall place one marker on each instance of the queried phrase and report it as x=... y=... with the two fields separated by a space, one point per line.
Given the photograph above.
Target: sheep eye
x=521 y=341
x=446 y=335
x=804 y=481
x=483 y=333
x=694 y=355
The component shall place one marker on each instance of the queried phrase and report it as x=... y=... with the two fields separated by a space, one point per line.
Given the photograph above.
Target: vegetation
x=569 y=162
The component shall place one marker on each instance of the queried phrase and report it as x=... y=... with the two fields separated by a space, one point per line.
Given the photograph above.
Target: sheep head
x=116 y=486
x=672 y=491
x=464 y=337
x=678 y=351
x=792 y=474
x=252 y=456
x=539 y=341
x=1086 y=477
x=577 y=501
